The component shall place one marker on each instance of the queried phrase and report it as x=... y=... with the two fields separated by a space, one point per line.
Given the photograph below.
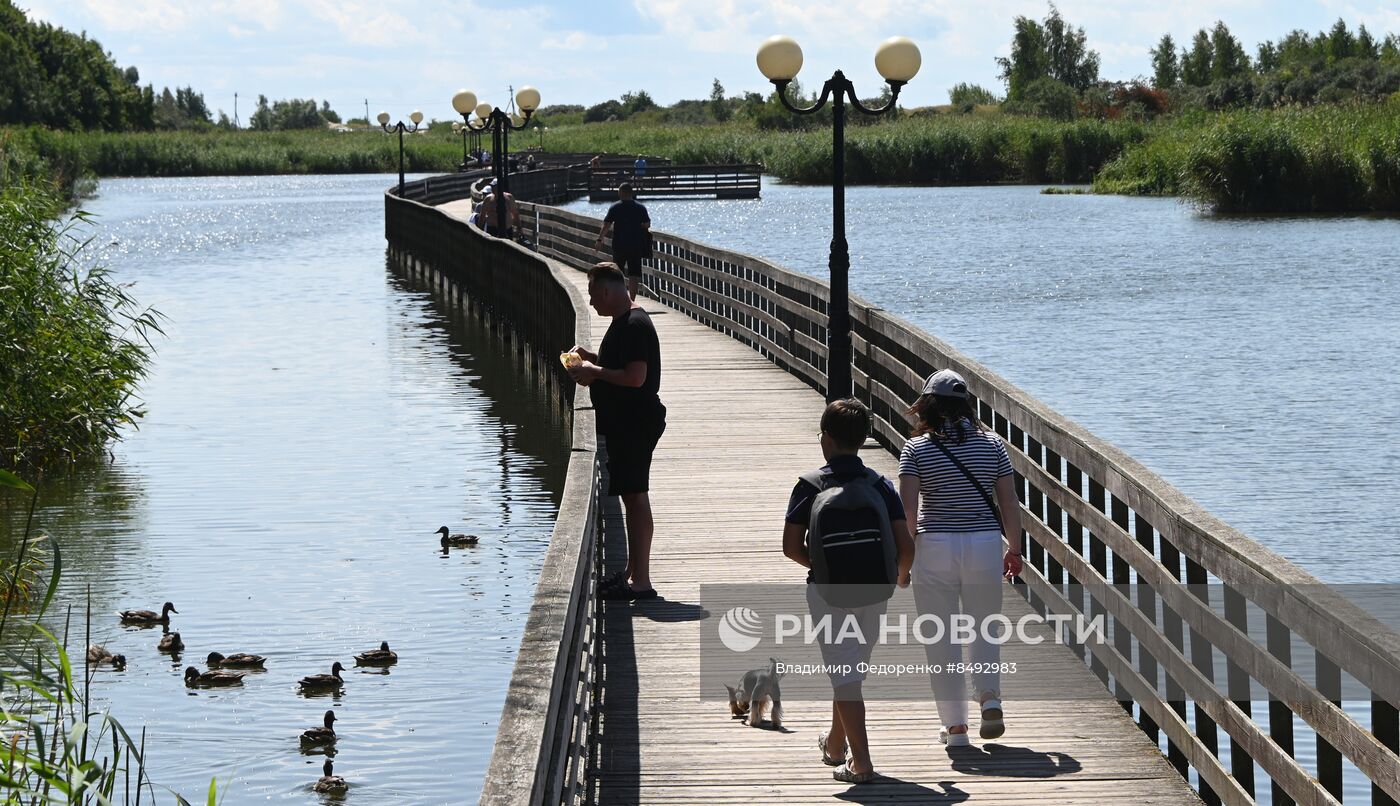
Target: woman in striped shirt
x=950 y=471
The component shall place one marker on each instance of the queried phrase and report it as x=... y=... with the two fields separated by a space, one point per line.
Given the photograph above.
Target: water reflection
x=313 y=417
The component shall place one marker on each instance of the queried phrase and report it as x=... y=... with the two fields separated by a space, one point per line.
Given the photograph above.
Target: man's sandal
x=844 y=774
x=954 y=739
x=612 y=580
x=828 y=759
x=993 y=721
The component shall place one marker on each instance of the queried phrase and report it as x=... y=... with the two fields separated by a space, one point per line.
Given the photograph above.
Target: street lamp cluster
x=779 y=59
x=898 y=60
x=416 y=117
x=482 y=116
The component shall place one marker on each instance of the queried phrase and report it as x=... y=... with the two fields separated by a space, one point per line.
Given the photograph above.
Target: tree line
x=55 y=78
x=1052 y=72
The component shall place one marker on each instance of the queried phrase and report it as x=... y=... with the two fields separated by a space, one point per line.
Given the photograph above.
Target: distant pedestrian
x=624 y=377
x=630 y=225
x=958 y=478
x=639 y=168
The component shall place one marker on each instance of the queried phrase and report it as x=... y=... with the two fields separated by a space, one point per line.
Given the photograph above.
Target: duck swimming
x=149 y=616
x=171 y=643
x=449 y=539
x=321 y=682
x=98 y=655
x=330 y=783
x=320 y=735
x=382 y=656
x=194 y=677
x=236 y=660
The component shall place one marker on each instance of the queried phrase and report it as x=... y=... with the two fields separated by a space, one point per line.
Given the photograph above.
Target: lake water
x=1249 y=361
x=313 y=418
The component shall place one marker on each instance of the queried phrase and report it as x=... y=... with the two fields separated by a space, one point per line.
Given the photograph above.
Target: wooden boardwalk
x=733 y=415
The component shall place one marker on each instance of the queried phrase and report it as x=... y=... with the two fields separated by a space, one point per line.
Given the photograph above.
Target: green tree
x=327 y=114
x=967 y=95
x=1195 y=63
x=634 y=102
x=1165 y=71
x=261 y=119
x=719 y=107
x=1054 y=48
x=1228 y=58
x=296 y=113
x=1365 y=44
x=1028 y=61
x=1049 y=98
x=1340 y=43
x=1071 y=61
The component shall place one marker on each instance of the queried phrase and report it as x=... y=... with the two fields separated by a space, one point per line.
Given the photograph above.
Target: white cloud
x=575 y=41
x=140 y=15
x=362 y=25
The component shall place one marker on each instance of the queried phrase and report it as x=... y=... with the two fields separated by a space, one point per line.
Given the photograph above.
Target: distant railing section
x=659 y=181
x=548 y=726
x=1177 y=586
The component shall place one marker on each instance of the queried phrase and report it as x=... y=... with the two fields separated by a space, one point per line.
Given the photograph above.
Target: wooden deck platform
x=731 y=413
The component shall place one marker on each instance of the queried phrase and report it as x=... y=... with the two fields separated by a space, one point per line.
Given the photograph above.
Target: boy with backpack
x=845 y=523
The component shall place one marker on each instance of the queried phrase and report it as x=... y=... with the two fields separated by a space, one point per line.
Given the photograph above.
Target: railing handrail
x=543 y=741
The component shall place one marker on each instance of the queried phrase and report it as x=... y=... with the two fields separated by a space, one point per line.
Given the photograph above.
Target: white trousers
x=959 y=574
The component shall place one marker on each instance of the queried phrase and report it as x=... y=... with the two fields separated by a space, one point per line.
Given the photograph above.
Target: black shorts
x=629 y=458
x=631 y=265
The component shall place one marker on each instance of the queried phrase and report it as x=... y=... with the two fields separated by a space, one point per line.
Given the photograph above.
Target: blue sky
x=414 y=54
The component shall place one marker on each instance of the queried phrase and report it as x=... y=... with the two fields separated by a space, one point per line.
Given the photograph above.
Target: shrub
x=73 y=344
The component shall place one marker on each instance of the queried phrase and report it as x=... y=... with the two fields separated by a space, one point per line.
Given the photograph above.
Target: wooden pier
x=605 y=704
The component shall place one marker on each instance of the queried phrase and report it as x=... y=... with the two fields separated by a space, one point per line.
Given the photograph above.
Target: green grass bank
x=1338 y=158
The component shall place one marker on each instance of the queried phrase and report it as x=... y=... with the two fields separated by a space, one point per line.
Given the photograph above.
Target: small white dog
x=757 y=689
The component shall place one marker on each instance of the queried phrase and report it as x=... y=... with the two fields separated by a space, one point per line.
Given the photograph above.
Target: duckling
x=321 y=682
x=236 y=660
x=171 y=643
x=149 y=616
x=330 y=783
x=194 y=677
x=322 y=735
x=98 y=655
x=449 y=539
x=383 y=656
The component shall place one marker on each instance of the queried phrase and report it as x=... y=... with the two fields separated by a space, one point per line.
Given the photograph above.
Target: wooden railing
x=720 y=181
x=547 y=729
x=1177 y=586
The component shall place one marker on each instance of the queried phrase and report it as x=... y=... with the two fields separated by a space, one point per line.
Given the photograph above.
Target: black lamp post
x=500 y=123
x=416 y=117
x=458 y=128
x=540 y=130
x=898 y=60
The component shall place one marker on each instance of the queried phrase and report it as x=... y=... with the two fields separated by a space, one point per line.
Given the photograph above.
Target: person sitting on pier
x=631 y=233
x=490 y=210
x=846 y=524
x=624 y=377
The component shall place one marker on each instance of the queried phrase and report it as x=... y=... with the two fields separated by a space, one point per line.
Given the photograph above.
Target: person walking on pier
x=846 y=524
x=947 y=471
x=630 y=225
x=624 y=377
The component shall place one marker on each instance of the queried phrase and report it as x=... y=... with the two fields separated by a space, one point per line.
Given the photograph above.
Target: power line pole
x=235 y=110
x=366 y=112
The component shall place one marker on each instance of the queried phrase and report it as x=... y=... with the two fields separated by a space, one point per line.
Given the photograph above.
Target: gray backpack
x=850 y=540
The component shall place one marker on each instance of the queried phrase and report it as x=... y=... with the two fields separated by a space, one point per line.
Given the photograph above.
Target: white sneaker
x=993 y=720
x=954 y=739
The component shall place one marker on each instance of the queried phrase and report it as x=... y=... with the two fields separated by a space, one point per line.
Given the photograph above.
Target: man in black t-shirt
x=623 y=378
x=631 y=230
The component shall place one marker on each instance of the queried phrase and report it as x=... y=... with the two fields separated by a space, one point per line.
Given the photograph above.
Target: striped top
x=948 y=502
